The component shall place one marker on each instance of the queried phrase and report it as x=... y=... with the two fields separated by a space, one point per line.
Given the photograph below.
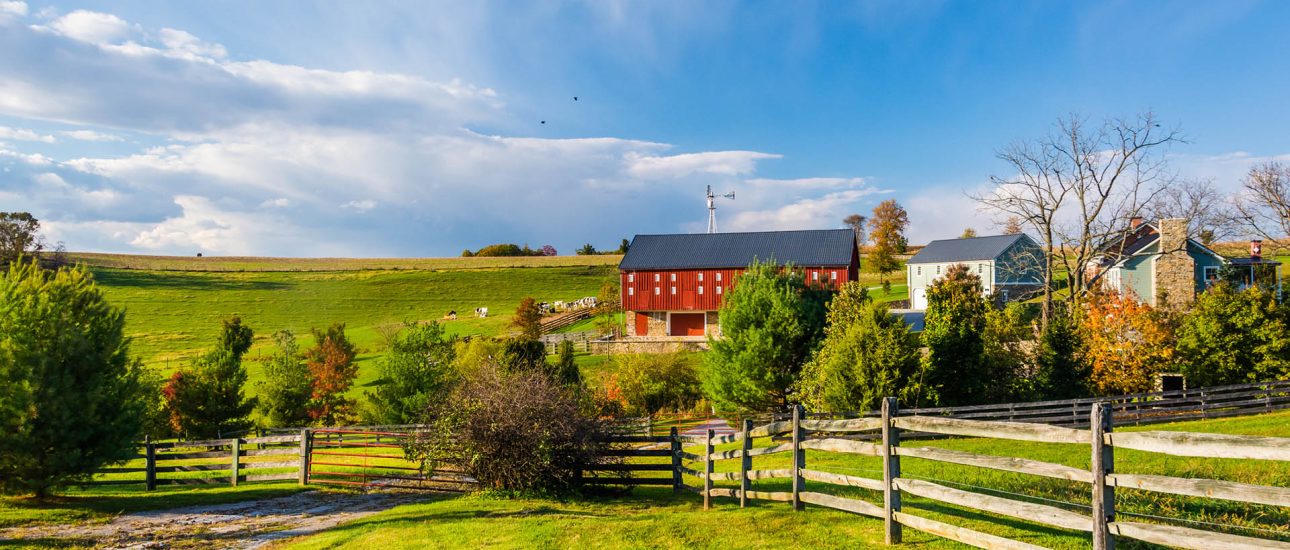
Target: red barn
x=673 y=285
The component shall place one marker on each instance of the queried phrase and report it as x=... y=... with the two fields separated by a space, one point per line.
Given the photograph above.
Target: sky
x=388 y=129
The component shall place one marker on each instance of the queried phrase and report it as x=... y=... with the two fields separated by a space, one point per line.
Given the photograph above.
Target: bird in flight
x=575 y=98
x=543 y=122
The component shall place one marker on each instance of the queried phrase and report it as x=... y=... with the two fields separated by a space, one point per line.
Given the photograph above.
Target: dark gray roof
x=820 y=247
x=962 y=250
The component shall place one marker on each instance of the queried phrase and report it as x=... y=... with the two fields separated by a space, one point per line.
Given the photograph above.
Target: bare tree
x=856 y=223
x=1263 y=204
x=1197 y=201
x=1078 y=187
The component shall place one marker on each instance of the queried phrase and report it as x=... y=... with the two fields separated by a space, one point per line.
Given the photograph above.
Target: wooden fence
x=1103 y=525
x=1129 y=410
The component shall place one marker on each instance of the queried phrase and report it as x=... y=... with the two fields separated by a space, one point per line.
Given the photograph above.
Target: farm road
x=249 y=524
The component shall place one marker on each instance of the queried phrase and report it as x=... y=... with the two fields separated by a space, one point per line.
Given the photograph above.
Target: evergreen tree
x=771 y=321
x=1234 y=337
x=287 y=386
x=565 y=371
x=1061 y=370
x=867 y=354
x=955 y=365
x=207 y=400
x=71 y=399
x=416 y=372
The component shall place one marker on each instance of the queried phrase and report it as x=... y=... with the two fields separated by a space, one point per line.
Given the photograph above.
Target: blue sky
x=414 y=129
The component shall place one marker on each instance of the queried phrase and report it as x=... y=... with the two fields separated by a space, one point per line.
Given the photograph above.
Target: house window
x=631 y=277
x=938 y=270
x=700 y=291
x=918 y=270
x=674 y=291
x=631 y=291
x=1004 y=294
x=1211 y=275
x=674 y=277
x=718 y=280
x=718 y=289
x=656 y=291
x=656 y=277
x=980 y=268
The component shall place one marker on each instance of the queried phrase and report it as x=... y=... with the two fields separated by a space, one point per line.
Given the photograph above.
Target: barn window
x=700 y=291
x=700 y=277
x=718 y=289
x=833 y=276
x=815 y=276
x=656 y=277
x=718 y=280
x=631 y=277
x=674 y=277
x=674 y=291
x=656 y=291
x=631 y=291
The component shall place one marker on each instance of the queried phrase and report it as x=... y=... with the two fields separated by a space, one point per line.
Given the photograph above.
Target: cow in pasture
x=481 y=312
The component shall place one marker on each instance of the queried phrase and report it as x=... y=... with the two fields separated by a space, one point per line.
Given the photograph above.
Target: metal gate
x=373 y=459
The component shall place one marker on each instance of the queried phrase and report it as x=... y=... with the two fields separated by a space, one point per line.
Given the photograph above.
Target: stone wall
x=647 y=345
x=1175 y=283
x=712 y=325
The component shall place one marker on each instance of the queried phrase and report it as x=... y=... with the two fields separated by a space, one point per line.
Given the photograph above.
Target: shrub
x=71 y=400
x=1128 y=344
x=287 y=386
x=1061 y=370
x=955 y=364
x=207 y=399
x=512 y=431
x=867 y=354
x=647 y=384
x=565 y=370
x=1234 y=337
x=771 y=321
x=332 y=369
x=528 y=319
x=416 y=371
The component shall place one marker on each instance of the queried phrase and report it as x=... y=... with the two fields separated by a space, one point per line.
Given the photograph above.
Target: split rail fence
x=1103 y=525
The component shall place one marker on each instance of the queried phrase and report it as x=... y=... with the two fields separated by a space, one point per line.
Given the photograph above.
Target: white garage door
x=920 y=298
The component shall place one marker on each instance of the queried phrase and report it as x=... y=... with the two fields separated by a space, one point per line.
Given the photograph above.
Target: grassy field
x=247 y=263
x=654 y=518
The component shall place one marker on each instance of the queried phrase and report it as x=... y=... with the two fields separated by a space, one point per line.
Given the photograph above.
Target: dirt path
x=237 y=525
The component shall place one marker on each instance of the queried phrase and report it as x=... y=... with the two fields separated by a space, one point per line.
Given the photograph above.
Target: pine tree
x=71 y=399
x=207 y=399
x=416 y=372
x=955 y=364
x=287 y=386
x=565 y=371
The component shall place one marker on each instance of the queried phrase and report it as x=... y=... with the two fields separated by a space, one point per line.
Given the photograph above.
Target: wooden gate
x=366 y=458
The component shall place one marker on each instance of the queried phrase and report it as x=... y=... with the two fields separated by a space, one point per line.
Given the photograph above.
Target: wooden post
x=305 y=444
x=745 y=464
x=150 y=468
x=707 y=472
x=676 y=461
x=799 y=457
x=1103 y=463
x=237 y=452
x=890 y=470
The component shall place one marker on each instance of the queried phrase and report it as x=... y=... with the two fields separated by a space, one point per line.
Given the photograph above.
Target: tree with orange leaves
x=1127 y=344
x=331 y=363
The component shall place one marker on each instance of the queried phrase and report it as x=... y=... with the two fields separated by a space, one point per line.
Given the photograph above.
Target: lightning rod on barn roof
x=712 y=209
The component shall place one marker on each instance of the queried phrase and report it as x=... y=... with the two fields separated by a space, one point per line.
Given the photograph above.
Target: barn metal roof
x=961 y=250
x=819 y=247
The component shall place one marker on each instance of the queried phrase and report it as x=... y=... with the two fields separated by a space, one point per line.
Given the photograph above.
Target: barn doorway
x=686 y=324
x=642 y=324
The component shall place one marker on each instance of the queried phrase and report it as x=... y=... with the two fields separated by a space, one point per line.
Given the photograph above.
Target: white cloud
x=92 y=27
x=205 y=226
x=90 y=135
x=279 y=202
x=807 y=213
x=729 y=163
x=24 y=134
x=182 y=42
x=808 y=183
x=12 y=8
x=361 y=206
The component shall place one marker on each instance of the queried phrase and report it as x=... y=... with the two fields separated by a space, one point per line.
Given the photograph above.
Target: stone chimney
x=1175 y=274
x=1135 y=222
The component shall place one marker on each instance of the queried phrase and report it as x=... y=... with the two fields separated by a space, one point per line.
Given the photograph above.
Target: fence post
x=1103 y=463
x=707 y=471
x=890 y=470
x=799 y=457
x=676 y=461
x=237 y=451
x=745 y=464
x=305 y=444
x=150 y=468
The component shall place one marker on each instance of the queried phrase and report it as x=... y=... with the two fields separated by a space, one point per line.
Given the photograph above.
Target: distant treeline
x=511 y=249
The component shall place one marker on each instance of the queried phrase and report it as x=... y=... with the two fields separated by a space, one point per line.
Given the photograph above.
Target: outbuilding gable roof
x=819 y=247
x=963 y=250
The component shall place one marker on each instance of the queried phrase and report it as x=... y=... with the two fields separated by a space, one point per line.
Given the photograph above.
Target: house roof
x=820 y=247
x=961 y=250
x=1121 y=248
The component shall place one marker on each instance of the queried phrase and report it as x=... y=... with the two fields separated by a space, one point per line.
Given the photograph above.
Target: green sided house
x=1158 y=264
x=1010 y=266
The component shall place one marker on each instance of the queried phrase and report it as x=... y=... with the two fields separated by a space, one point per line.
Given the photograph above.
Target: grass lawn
x=239 y=263
x=654 y=518
x=100 y=504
